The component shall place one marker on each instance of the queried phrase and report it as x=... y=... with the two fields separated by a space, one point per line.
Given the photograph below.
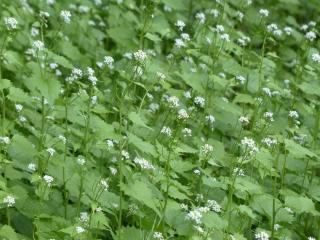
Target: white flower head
x=183 y=114
x=80 y=230
x=201 y=17
x=268 y=116
x=38 y=45
x=206 y=149
x=48 y=179
x=19 y=107
x=262 y=235
x=187 y=132
x=84 y=217
x=104 y=184
x=180 y=24
x=51 y=151
x=143 y=163
x=179 y=43
x=293 y=114
x=65 y=15
x=264 y=12
x=166 y=131
x=81 y=161
x=315 y=57
x=32 y=167
x=140 y=55
x=158 y=236
x=199 y=101
x=11 y=23
x=311 y=36
x=5 y=140
x=244 y=120
x=173 y=101
x=214 y=206
x=9 y=201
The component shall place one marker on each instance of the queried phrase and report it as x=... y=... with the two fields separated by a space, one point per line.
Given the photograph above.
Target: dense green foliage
x=159 y=119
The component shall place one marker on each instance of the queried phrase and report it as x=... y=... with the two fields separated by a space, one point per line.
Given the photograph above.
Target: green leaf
x=4 y=83
x=137 y=120
x=143 y=193
x=297 y=150
x=7 y=233
x=143 y=146
x=301 y=204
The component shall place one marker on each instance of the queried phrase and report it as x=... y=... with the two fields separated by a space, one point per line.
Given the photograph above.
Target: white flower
x=311 y=36
x=113 y=170
x=51 y=2
x=267 y=91
x=244 y=41
x=180 y=24
x=293 y=114
x=125 y=154
x=110 y=143
x=238 y=172
x=187 y=94
x=65 y=15
x=244 y=120
x=268 y=116
x=140 y=55
x=194 y=215
x=62 y=138
x=249 y=144
x=241 y=79
x=43 y=14
x=32 y=167
x=104 y=184
x=48 y=179
x=214 y=12
x=51 y=151
x=315 y=57
x=173 y=101
x=197 y=172
x=83 y=9
x=9 y=200
x=311 y=238
x=211 y=119
x=81 y=161
x=153 y=107
x=270 y=142
x=22 y=119
x=225 y=37
x=80 y=230
x=5 y=140
x=11 y=23
x=182 y=114
x=185 y=36
x=206 y=149
x=19 y=107
x=239 y=15
x=53 y=65
x=38 y=45
x=178 y=42
x=143 y=163
x=214 y=206
x=264 y=12
x=94 y=100
x=161 y=76
x=84 y=217
x=187 y=132
x=262 y=236
x=158 y=235
x=34 y=32
x=108 y=60
x=288 y=30
x=200 y=101
x=166 y=131
x=201 y=17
